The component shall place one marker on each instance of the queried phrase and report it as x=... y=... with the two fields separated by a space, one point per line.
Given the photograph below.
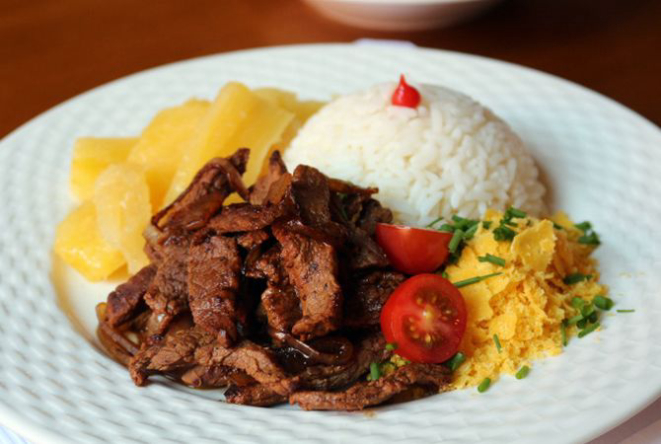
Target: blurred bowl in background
x=400 y=15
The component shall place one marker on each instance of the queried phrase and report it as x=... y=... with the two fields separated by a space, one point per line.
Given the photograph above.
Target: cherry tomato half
x=413 y=250
x=426 y=317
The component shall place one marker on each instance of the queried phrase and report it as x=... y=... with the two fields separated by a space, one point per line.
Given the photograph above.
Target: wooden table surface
x=51 y=50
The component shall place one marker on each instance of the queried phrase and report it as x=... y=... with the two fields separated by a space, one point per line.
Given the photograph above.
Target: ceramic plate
x=600 y=160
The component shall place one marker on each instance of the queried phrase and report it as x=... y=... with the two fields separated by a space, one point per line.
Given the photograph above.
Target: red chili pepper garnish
x=405 y=94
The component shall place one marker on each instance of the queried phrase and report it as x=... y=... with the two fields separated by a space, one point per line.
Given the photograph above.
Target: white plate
x=600 y=160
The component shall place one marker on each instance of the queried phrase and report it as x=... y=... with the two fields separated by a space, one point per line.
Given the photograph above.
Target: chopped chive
x=484 y=385
x=603 y=303
x=594 y=317
x=587 y=310
x=625 y=311
x=444 y=275
x=523 y=372
x=558 y=227
x=497 y=342
x=575 y=278
x=454 y=362
x=458 y=219
x=584 y=226
x=390 y=346
x=574 y=320
x=587 y=330
x=474 y=280
x=375 y=371
x=510 y=223
x=563 y=332
x=503 y=233
x=434 y=222
x=582 y=323
x=486 y=224
x=589 y=239
x=514 y=212
x=471 y=232
x=454 y=242
x=447 y=227
x=493 y=259
x=577 y=303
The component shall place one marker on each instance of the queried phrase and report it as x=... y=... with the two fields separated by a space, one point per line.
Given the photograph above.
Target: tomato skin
x=441 y=316
x=413 y=250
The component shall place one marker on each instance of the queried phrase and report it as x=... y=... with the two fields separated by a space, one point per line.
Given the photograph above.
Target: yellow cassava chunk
x=121 y=199
x=92 y=155
x=302 y=111
x=535 y=245
x=79 y=243
x=162 y=143
x=237 y=118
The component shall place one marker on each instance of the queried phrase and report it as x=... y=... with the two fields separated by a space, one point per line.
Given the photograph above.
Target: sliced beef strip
x=320 y=377
x=372 y=214
x=172 y=353
x=260 y=191
x=252 y=239
x=167 y=295
x=369 y=349
x=312 y=268
x=368 y=294
x=281 y=306
x=237 y=218
x=312 y=195
x=202 y=376
x=256 y=394
x=255 y=360
x=364 y=252
x=205 y=195
x=214 y=268
x=124 y=302
x=431 y=377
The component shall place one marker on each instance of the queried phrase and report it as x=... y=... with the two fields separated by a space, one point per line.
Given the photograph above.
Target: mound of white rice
x=449 y=156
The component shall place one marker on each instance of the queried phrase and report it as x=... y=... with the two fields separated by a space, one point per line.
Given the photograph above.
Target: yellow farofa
x=527 y=303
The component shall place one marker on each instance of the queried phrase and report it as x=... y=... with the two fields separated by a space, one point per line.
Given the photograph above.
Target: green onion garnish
x=575 y=278
x=603 y=303
x=574 y=320
x=563 y=332
x=497 y=342
x=447 y=227
x=582 y=323
x=625 y=311
x=577 y=303
x=493 y=259
x=484 y=385
x=474 y=280
x=514 y=212
x=375 y=371
x=390 y=346
x=486 y=224
x=454 y=362
x=454 y=242
x=434 y=222
x=523 y=372
x=594 y=317
x=471 y=232
x=589 y=329
x=445 y=275
x=503 y=233
x=587 y=310
x=558 y=227
x=584 y=226
x=589 y=239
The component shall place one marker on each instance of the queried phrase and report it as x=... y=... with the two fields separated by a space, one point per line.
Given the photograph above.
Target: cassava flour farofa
x=450 y=155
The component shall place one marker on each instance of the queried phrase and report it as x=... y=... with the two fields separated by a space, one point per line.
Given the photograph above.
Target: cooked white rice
x=449 y=156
